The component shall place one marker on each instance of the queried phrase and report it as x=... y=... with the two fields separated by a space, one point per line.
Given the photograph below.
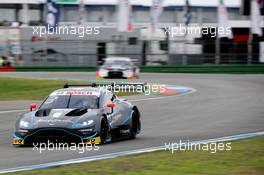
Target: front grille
x=115 y=74
x=53 y=135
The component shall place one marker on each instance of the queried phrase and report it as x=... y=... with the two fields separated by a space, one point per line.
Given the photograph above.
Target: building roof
x=197 y=3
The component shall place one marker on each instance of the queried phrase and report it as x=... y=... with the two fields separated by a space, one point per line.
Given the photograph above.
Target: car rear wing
x=113 y=86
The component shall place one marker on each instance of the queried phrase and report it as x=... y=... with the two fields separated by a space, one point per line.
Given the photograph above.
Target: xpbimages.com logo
x=55 y=146
x=193 y=29
x=78 y=30
x=147 y=89
x=213 y=147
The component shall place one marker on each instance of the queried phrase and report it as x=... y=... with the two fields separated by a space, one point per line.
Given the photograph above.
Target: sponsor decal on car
x=18 y=142
x=76 y=92
x=95 y=140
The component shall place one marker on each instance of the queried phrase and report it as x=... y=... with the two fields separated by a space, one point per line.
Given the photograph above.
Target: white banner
x=82 y=12
x=25 y=14
x=123 y=16
x=255 y=18
x=155 y=12
x=223 y=21
x=261 y=52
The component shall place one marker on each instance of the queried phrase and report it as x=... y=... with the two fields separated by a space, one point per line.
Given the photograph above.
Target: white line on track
x=169 y=96
x=11 y=111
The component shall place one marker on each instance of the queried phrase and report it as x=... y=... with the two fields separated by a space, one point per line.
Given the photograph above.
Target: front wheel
x=103 y=131
x=133 y=126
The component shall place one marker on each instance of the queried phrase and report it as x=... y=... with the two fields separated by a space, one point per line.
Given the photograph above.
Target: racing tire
x=103 y=131
x=134 y=126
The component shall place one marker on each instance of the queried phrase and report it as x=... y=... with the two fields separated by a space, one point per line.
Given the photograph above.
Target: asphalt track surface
x=222 y=105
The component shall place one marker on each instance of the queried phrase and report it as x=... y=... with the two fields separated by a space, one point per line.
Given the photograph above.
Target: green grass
x=246 y=157
x=31 y=89
x=56 y=69
x=229 y=69
x=233 y=68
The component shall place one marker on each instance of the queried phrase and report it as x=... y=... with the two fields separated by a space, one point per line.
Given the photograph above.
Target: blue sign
x=53 y=13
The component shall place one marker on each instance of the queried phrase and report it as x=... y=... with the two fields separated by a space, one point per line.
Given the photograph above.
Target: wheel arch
x=135 y=109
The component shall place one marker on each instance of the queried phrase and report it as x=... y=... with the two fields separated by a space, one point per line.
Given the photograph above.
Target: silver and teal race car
x=86 y=114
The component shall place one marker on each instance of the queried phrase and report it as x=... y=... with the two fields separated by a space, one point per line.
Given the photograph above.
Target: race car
x=118 y=67
x=78 y=114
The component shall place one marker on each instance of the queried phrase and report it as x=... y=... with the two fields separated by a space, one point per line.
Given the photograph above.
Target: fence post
x=217 y=51
x=249 y=60
x=144 y=52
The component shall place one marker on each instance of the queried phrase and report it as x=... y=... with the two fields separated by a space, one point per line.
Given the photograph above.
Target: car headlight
x=87 y=123
x=83 y=124
x=104 y=68
x=24 y=124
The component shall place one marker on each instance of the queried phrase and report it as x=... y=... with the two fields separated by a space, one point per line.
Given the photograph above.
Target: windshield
x=71 y=101
x=117 y=62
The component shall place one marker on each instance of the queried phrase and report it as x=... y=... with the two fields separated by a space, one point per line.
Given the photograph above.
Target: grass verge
x=229 y=69
x=32 y=89
x=246 y=157
x=234 y=69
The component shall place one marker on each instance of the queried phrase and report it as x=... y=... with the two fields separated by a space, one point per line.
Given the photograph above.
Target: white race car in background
x=118 y=67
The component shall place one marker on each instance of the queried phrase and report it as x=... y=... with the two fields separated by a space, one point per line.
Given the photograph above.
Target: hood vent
x=42 y=113
x=77 y=112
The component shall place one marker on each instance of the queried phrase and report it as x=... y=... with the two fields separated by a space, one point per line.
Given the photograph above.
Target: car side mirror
x=100 y=62
x=32 y=106
x=111 y=105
